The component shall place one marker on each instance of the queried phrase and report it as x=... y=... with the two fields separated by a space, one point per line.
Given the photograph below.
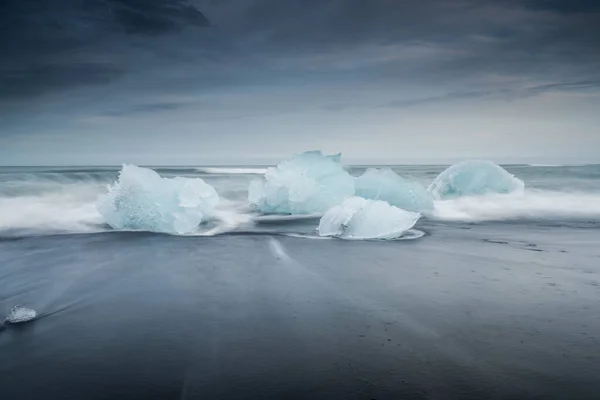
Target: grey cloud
x=145 y=108
x=157 y=107
x=36 y=79
x=500 y=94
x=61 y=45
x=567 y=7
x=155 y=16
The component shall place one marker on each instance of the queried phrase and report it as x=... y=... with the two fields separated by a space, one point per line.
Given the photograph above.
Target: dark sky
x=248 y=81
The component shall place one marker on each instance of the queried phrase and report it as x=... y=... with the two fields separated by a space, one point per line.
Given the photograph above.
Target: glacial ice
x=142 y=200
x=20 y=314
x=474 y=177
x=384 y=184
x=304 y=183
x=358 y=218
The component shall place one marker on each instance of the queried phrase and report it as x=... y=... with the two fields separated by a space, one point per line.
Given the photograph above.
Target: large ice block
x=475 y=177
x=304 y=183
x=358 y=218
x=384 y=184
x=142 y=200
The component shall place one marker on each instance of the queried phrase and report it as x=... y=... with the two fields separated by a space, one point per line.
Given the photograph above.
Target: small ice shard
x=384 y=184
x=20 y=314
x=358 y=218
x=306 y=183
x=142 y=200
x=475 y=177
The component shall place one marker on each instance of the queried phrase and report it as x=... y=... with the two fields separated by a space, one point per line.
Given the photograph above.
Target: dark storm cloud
x=50 y=45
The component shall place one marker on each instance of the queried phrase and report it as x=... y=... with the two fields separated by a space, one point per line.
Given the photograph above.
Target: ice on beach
x=358 y=218
x=20 y=314
x=142 y=200
x=384 y=184
x=304 y=183
x=474 y=177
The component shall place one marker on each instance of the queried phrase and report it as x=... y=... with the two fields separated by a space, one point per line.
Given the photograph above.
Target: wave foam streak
x=71 y=211
x=532 y=204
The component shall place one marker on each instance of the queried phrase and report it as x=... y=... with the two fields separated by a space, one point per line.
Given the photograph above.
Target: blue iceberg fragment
x=475 y=177
x=142 y=200
x=384 y=184
x=358 y=218
x=306 y=183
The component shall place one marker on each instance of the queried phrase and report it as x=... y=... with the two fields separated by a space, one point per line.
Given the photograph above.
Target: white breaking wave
x=72 y=211
x=70 y=207
x=234 y=171
x=75 y=211
x=228 y=216
x=532 y=204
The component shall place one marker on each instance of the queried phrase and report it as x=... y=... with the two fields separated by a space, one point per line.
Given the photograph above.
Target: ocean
x=487 y=297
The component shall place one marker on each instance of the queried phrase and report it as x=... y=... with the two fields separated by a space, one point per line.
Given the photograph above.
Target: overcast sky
x=89 y=82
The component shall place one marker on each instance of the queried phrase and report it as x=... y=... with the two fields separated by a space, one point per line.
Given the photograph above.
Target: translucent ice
x=358 y=218
x=305 y=183
x=143 y=200
x=20 y=314
x=474 y=177
x=384 y=184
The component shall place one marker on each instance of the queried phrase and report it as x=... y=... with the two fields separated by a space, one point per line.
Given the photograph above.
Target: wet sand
x=466 y=312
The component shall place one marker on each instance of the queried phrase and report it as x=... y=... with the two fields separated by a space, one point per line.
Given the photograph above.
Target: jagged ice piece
x=142 y=200
x=384 y=184
x=304 y=183
x=358 y=218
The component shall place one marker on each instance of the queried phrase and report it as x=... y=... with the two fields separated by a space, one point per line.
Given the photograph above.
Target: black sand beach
x=470 y=311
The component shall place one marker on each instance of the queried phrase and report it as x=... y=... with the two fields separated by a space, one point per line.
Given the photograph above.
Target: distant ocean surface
x=494 y=297
x=42 y=200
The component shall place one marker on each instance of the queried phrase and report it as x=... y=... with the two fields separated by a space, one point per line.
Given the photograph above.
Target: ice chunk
x=143 y=200
x=305 y=183
x=20 y=314
x=358 y=218
x=384 y=184
x=474 y=177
